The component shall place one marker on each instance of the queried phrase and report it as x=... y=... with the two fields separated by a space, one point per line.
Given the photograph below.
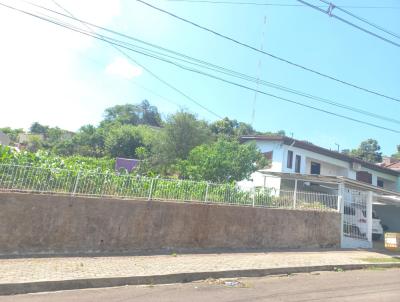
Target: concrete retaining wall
x=46 y=224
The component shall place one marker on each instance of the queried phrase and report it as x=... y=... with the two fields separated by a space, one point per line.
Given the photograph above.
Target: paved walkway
x=52 y=269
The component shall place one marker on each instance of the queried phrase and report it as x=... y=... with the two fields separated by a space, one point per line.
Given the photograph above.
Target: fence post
x=254 y=196
x=206 y=197
x=295 y=194
x=76 y=182
x=341 y=202
x=151 y=189
x=370 y=201
x=340 y=198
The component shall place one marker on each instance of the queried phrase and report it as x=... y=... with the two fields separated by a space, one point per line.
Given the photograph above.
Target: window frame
x=297 y=163
x=311 y=168
x=289 y=162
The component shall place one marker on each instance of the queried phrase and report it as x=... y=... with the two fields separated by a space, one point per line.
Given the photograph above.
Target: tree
x=54 y=135
x=148 y=115
x=130 y=114
x=224 y=127
x=123 y=114
x=397 y=155
x=123 y=141
x=182 y=132
x=37 y=128
x=231 y=128
x=88 y=141
x=65 y=148
x=368 y=151
x=277 y=133
x=222 y=161
x=35 y=143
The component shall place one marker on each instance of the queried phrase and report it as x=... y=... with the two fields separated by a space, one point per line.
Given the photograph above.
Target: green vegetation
x=222 y=161
x=381 y=260
x=368 y=151
x=180 y=146
x=44 y=159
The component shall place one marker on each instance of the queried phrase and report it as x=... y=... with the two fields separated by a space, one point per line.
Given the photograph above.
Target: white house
x=300 y=171
x=288 y=155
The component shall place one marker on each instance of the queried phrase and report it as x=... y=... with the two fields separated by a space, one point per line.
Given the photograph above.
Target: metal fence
x=111 y=184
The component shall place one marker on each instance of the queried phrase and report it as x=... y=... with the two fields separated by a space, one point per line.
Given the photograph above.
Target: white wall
x=257 y=178
x=277 y=153
x=329 y=165
x=326 y=168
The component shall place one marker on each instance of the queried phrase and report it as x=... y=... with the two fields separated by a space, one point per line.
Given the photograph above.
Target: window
x=297 y=164
x=380 y=183
x=364 y=177
x=290 y=159
x=268 y=156
x=315 y=168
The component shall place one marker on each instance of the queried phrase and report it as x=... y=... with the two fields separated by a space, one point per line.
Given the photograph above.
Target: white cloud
x=40 y=72
x=121 y=67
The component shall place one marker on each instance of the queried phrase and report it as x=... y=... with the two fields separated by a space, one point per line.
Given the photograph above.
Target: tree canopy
x=369 y=150
x=182 y=132
x=182 y=145
x=37 y=128
x=222 y=161
x=122 y=141
x=133 y=114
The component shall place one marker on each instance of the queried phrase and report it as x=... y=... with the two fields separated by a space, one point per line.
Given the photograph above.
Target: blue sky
x=64 y=79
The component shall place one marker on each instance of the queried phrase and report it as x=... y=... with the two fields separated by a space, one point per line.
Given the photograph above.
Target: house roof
x=314 y=148
x=394 y=166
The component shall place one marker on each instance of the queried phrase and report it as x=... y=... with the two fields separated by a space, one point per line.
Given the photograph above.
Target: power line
x=270 y=54
x=257 y=81
x=362 y=19
x=223 y=70
x=330 y=14
x=146 y=68
x=297 y=65
x=274 y=4
x=211 y=76
x=216 y=68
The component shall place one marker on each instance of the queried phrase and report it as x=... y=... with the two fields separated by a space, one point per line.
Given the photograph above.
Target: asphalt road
x=366 y=285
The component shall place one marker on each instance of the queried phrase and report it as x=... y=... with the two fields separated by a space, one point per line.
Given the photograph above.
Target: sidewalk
x=17 y=272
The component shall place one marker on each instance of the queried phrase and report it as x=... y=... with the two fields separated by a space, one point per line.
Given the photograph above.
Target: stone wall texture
x=49 y=224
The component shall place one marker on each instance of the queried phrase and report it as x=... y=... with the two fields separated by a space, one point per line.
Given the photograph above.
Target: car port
x=387 y=210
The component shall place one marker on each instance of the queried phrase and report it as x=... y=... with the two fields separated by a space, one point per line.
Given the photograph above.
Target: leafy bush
x=45 y=160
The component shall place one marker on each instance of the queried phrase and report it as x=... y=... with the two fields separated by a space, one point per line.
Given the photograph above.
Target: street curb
x=48 y=286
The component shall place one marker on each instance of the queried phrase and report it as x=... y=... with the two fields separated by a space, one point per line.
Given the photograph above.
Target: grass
x=375 y=268
x=381 y=260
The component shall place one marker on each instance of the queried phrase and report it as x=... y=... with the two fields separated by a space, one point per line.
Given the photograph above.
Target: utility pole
x=253 y=113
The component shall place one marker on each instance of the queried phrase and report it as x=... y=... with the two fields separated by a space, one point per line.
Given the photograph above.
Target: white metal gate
x=356 y=209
